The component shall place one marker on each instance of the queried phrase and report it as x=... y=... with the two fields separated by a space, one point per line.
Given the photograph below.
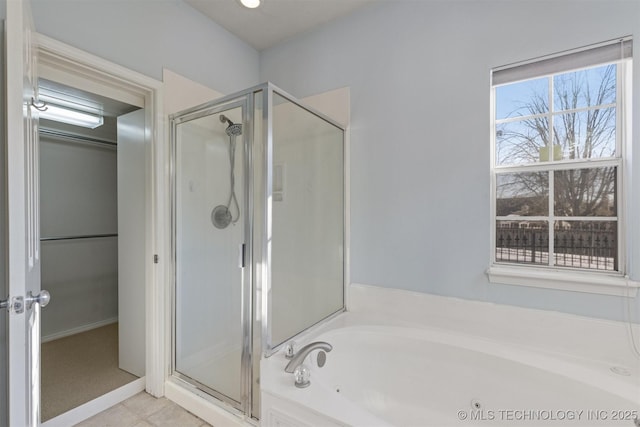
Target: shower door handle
x=241 y=255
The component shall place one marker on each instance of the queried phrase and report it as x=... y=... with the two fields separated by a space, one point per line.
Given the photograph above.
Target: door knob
x=42 y=298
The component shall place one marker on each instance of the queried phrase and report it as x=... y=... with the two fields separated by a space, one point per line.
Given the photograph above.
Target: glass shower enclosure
x=258 y=236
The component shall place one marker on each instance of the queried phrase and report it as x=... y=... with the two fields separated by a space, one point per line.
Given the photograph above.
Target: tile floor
x=144 y=410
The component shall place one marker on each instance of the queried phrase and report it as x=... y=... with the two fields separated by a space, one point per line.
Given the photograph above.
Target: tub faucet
x=302 y=354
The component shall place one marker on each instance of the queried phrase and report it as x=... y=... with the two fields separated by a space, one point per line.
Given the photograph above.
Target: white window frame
x=567 y=278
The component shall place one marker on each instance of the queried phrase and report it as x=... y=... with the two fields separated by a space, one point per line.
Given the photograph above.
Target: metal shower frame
x=256 y=274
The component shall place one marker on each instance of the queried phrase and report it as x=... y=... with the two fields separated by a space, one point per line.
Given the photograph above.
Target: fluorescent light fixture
x=72 y=117
x=251 y=4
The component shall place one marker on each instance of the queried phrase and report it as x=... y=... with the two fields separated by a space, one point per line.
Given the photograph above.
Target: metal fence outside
x=590 y=245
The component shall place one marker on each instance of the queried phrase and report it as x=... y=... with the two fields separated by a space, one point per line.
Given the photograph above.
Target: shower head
x=233 y=129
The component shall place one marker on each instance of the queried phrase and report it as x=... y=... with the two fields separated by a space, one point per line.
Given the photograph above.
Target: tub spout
x=302 y=354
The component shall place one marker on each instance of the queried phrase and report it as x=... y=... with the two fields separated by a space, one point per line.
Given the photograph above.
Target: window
x=558 y=145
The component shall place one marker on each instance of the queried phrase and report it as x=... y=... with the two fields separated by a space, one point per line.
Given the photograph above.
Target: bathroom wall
x=419 y=79
x=146 y=36
x=3 y=235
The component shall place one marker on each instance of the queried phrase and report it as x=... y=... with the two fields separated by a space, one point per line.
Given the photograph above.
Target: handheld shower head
x=233 y=129
x=221 y=216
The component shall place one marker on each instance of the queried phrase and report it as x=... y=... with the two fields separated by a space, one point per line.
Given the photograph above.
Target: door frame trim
x=91 y=72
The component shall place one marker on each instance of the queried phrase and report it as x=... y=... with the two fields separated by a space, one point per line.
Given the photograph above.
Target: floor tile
x=144 y=410
x=116 y=416
x=173 y=415
x=144 y=405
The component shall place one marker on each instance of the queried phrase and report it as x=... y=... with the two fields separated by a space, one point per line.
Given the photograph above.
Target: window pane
x=586 y=244
x=522 y=141
x=585 y=192
x=587 y=134
x=522 y=193
x=522 y=99
x=522 y=242
x=585 y=88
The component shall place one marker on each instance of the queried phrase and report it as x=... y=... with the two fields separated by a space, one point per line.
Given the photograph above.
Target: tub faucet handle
x=290 y=350
x=301 y=375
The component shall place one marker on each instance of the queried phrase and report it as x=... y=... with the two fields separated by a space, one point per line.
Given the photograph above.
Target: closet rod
x=88 y=236
x=77 y=138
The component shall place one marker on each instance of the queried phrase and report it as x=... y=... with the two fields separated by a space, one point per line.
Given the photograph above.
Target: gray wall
x=147 y=35
x=3 y=276
x=419 y=79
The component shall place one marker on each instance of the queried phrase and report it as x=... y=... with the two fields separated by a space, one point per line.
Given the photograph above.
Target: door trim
x=82 y=69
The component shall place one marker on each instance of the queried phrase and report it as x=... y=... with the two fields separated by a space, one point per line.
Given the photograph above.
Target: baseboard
x=79 y=329
x=96 y=406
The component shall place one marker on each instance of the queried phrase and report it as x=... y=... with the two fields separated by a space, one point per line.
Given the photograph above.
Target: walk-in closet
x=85 y=207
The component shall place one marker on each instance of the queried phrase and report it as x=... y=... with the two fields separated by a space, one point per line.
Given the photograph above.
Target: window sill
x=576 y=281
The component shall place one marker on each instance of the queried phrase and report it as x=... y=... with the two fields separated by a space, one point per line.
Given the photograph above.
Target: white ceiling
x=275 y=20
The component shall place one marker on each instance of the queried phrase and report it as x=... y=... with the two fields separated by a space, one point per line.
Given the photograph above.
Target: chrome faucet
x=302 y=354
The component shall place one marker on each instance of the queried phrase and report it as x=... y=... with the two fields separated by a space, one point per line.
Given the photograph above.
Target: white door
x=23 y=227
x=132 y=220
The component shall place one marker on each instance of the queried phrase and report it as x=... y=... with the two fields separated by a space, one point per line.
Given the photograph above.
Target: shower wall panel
x=308 y=220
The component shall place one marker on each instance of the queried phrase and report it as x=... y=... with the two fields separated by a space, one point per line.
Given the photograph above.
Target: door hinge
x=155 y=259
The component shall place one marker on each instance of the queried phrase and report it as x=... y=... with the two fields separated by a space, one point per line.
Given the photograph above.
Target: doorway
x=85 y=201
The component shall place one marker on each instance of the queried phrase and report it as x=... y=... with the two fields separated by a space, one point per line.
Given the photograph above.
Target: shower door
x=211 y=294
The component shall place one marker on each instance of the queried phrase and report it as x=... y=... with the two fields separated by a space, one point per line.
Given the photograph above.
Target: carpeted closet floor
x=80 y=368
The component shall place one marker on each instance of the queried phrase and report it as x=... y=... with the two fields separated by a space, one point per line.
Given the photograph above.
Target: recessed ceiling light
x=251 y=4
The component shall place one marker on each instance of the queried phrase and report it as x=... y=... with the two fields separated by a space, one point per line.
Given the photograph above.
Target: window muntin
x=557 y=146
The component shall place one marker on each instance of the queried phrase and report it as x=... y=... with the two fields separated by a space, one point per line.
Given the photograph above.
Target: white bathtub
x=403 y=376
